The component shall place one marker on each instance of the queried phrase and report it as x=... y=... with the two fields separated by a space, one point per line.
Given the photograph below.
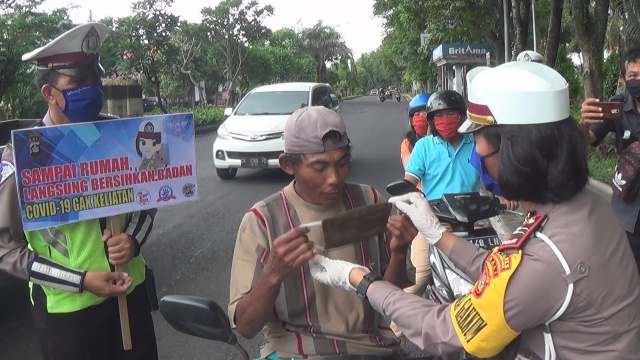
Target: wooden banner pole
x=122 y=299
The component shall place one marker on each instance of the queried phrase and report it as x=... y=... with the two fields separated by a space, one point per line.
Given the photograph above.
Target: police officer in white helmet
x=564 y=285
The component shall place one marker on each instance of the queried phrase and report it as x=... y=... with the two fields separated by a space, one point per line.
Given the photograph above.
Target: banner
x=75 y=172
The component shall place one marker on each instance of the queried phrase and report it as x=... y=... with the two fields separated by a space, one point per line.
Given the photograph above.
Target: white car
x=253 y=134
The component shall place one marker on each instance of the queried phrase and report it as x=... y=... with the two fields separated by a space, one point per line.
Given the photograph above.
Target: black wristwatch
x=361 y=291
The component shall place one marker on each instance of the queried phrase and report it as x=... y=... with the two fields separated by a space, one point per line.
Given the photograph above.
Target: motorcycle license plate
x=254 y=162
x=485 y=242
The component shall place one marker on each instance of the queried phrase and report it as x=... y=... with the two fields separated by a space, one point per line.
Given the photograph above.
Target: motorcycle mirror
x=401 y=187
x=198 y=317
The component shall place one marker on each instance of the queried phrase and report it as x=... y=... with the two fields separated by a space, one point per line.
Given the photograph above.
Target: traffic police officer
x=70 y=267
x=564 y=285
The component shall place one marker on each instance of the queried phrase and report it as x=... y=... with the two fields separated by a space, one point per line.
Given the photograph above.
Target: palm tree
x=631 y=19
x=325 y=44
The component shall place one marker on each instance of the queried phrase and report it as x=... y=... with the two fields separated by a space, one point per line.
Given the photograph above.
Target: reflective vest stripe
x=56 y=239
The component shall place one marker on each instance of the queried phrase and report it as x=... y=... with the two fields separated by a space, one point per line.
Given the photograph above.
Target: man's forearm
x=396 y=272
x=255 y=309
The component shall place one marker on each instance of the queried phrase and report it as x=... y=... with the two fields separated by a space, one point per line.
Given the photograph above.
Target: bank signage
x=461 y=51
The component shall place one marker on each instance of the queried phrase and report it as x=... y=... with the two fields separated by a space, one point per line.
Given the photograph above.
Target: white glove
x=417 y=208
x=331 y=272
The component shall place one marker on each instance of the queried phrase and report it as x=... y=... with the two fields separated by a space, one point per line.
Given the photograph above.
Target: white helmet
x=532 y=56
x=515 y=93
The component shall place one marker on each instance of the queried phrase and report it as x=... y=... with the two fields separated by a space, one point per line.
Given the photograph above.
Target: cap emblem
x=148 y=127
x=91 y=42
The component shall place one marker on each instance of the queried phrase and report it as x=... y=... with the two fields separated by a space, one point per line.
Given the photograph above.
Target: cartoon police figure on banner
x=150 y=147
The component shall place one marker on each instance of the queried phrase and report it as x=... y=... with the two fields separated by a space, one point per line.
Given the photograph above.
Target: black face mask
x=633 y=87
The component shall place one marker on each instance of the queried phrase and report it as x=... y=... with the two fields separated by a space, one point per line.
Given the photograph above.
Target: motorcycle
x=389 y=95
x=204 y=318
x=462 y=212
x=398 y=96
x=382 y=96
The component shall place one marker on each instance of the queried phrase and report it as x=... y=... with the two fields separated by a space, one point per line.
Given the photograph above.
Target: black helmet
x=444 y=100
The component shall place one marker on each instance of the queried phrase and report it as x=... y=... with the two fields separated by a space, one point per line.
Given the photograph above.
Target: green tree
x=148 y=42
x=325 y=45
x=23 y=29
x=233 y=27
x=590 y=19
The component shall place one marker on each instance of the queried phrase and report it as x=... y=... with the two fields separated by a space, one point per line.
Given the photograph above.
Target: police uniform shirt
x=602 y=320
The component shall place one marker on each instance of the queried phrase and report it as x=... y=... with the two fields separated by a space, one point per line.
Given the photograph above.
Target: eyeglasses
x=483 y=157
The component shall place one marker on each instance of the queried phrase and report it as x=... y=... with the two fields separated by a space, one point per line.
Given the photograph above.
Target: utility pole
x=533 y=14
x=90 y=16
x=506 y=31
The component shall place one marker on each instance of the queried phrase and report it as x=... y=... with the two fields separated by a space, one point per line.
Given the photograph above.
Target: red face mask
x=447 y=126
x=420 y=124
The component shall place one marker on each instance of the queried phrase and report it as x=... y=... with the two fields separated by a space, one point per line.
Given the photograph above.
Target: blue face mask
x=82 y=103
x=489 y=182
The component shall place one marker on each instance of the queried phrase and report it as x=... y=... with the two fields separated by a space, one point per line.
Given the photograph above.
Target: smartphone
x=610 y=110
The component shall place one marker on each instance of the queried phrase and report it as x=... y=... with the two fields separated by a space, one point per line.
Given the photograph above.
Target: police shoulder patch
x=6 y=169
x=532 y=222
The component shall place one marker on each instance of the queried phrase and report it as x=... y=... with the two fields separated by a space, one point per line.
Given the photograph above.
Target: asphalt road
x=192 y=244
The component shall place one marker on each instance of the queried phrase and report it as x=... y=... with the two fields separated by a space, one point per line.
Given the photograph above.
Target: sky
x=352 y=18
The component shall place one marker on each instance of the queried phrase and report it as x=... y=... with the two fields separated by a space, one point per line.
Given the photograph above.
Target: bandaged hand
x=417 y=208
x=334 y=273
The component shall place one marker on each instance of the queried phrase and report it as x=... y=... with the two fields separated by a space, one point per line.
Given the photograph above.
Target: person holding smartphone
x=598 y=119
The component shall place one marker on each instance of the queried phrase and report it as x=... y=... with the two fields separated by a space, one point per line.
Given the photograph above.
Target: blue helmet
x=419 y=102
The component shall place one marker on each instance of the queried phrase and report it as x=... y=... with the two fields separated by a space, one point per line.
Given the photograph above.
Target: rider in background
x=440 y=161
x=419 y=247
x=419 y=127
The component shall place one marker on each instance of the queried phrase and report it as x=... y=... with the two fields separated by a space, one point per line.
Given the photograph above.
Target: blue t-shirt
x=443 y=169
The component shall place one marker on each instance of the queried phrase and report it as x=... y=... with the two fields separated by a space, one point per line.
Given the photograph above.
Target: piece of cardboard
x=354 y=225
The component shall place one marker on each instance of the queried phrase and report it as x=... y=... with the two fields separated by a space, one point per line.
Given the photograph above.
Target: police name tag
x=6 y=169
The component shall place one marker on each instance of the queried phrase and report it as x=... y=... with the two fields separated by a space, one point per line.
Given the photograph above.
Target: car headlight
x=223 y=133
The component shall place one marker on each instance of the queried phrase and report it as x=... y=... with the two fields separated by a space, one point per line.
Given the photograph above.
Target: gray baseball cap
x=305 y=128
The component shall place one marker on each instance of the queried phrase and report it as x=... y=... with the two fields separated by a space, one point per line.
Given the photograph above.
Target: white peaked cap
x=518 y=93
x=151 y=126
x=75 y=45
x=529 y=55
x=473 y=101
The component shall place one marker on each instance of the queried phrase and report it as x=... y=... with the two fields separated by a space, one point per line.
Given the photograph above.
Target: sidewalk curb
x=600 y=188
x=205 y=129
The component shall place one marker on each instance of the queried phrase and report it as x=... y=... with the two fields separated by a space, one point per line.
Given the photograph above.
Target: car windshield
x=273 y=103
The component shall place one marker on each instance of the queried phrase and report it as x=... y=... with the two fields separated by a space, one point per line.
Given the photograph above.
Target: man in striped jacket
x=272 y=289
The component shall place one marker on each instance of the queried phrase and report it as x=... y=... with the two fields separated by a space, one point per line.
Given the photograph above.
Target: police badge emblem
x=526 y=57
x=148 y=127
x=91 y=42
x=34 y=142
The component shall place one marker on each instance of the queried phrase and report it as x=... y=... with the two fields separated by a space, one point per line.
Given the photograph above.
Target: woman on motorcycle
x=565 y=284
x=419 y=128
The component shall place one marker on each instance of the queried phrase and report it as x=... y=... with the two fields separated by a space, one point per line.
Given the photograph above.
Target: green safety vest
x=79 y=246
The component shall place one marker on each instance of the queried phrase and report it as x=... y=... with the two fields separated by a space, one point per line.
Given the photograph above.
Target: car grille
x=240 y=155
x=256 y=137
